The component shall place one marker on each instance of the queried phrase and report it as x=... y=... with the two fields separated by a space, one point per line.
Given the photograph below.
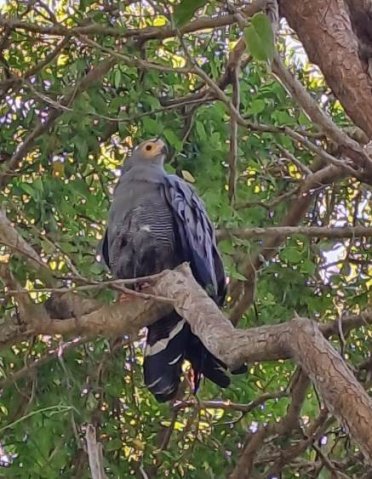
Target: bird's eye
x=148 y=147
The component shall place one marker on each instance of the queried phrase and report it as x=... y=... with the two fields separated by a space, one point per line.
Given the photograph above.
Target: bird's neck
x=156 y=164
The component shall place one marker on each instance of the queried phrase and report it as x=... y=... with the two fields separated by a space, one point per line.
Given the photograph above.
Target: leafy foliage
x=260 y=38
x=59 y=199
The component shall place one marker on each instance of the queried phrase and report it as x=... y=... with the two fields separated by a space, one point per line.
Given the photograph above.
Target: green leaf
x=201 y=130
x=82 y=148
x=123 y=128
x=28 y=189
x=184 y=11
x=117 y=78
x=308 y=267
x=113 y=445
x=151 y=126
x=260 y=38
x=291 y=254
x=172 y=139
x=81 y=188
x=257 y=106
x=236 y=275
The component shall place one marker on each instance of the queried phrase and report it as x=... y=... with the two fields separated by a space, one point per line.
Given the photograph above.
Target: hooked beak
x=162 y=146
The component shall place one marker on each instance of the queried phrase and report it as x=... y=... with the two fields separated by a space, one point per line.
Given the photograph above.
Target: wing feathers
x=196 y=236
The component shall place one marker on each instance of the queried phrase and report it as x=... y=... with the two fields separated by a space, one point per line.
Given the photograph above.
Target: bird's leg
x=190 y=378
x=125 y=297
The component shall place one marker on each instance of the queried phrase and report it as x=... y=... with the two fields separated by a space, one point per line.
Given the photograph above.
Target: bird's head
x=152 y=151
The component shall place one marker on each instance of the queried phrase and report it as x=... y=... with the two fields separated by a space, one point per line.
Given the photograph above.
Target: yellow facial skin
x=151 y=149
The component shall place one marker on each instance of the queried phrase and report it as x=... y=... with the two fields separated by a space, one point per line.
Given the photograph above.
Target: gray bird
x=157 y=222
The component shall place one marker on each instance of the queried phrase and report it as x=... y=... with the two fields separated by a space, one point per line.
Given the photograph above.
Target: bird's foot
x=125 y=298
x=140 y=287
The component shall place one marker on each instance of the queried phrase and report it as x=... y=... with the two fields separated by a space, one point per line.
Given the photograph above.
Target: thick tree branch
x=325 y=30
x=10 y=237
x=108 y=320
x=320 y=118
x=300 y=339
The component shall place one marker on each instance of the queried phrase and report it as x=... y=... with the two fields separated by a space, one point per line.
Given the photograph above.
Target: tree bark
x=325 y=31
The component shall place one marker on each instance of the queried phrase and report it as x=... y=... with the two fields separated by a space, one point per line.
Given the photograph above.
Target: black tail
x=169 y=342
x=164 y=354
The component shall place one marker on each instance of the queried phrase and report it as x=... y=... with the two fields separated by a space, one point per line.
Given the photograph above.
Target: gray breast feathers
x=140 y=232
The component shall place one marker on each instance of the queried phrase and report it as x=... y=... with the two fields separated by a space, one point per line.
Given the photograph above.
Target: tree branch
x=326 y=33
x=95 y=454
x=243 y=292
x=320 y=118
x=144 y=34
x=10 y=237
x=299 y=339
x=309 y=231
x=287 y=423
x=233 y=145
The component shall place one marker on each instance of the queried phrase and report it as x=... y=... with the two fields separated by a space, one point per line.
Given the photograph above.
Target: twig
x=294 y=160
x=132 y=60
x=233 y=147
x=231 y=406
x=269 y=204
